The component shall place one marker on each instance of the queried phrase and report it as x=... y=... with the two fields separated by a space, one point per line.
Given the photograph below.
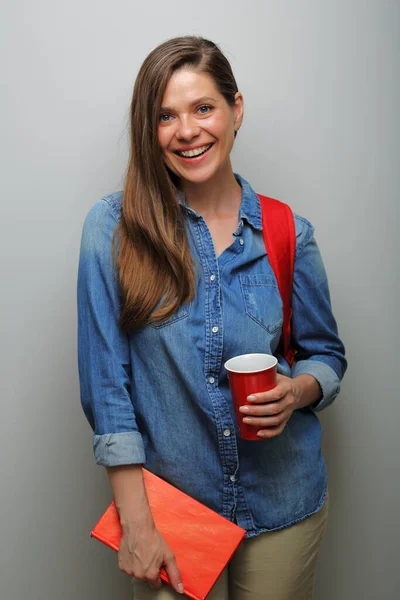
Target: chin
x=199 y=176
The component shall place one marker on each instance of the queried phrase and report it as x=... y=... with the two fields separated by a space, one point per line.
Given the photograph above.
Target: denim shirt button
x=212 y=277
x=227 y=432
x=211 y=379
x=214 y=329
x=232 y=478
x=241 y=241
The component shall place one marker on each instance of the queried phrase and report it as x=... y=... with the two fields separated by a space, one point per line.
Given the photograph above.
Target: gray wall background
x=321 y=84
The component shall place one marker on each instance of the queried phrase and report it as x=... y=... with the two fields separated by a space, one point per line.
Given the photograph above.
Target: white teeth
x=196 y=152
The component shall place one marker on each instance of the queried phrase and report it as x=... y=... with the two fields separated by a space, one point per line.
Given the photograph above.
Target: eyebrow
x=201 y=100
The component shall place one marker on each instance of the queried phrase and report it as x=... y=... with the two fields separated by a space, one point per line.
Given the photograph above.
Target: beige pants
x=272 y=566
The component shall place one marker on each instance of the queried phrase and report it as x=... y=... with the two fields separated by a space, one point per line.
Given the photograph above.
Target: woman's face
x=197 y=126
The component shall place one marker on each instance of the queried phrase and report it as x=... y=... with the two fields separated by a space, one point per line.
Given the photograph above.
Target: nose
x=188 y=128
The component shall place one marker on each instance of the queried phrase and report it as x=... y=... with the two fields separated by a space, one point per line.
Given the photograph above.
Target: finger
x=266 y=421
x=153 y=578
x=263 y=410
x=274 y=395
x=272 y=431
x=283 y=387
x=173 y=573
x=127 y=568
x=155 y=584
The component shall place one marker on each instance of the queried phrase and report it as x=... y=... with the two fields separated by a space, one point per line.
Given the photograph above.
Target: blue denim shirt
x=160 y=395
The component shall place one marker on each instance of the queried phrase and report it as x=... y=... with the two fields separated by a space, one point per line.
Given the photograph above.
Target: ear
x=238 y=110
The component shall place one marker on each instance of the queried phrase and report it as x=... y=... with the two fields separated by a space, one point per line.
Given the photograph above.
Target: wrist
x=134 y=519
x=130 y=497
x=308 y=390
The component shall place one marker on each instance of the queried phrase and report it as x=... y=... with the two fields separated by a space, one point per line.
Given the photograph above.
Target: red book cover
x=202 y=540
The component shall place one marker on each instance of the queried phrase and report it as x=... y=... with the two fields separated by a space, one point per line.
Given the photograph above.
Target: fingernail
x=247 y=420
x=251 y=398
x=180 y=588
x=244 y=409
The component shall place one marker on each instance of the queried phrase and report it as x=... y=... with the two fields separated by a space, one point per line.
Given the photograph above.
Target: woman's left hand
x=270 y=411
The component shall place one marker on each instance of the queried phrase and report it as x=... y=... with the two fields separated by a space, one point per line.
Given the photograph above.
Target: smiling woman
x=174 y=280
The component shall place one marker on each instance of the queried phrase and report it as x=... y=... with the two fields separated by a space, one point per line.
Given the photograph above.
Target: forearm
x=130 y=496
x=308 y=390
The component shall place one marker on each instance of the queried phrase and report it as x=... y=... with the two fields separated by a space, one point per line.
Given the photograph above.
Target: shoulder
x=304 y=229
x=101 y=221
x=304 y=232
x=108 y=206
x=114 y=203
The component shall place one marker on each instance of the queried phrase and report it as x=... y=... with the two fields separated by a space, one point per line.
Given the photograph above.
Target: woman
x=173 y=281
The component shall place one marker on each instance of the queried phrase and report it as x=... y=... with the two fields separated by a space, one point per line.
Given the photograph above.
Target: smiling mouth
x=195 y=152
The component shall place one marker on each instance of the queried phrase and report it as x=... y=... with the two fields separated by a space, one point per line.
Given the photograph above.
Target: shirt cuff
x=115 y=449
x=326 y=377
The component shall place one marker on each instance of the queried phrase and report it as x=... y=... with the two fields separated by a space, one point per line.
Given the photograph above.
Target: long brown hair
x=155 y=265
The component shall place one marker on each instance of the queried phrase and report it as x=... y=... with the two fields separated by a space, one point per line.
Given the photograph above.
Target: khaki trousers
x=272 y=566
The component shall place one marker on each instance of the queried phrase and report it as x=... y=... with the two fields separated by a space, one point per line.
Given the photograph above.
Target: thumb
x=173 y=574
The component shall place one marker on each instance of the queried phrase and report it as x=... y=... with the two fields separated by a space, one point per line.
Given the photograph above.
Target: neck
x=220 y=194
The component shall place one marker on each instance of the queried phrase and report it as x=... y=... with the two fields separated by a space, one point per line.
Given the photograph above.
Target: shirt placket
x=212 y=364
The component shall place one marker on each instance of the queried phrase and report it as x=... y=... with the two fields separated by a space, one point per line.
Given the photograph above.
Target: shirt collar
x=250 y=208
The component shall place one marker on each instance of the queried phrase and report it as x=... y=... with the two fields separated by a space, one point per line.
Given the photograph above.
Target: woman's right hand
x=143 y=551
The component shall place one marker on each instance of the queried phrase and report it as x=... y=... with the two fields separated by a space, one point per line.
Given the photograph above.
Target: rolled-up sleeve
x=103 y=347
x=320 y=352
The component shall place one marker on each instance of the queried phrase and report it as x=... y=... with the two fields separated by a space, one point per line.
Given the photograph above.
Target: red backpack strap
x=280 y=242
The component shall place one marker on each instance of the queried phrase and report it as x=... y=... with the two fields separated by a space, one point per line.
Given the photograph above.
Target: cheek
x=163 y=138
x=224 y=129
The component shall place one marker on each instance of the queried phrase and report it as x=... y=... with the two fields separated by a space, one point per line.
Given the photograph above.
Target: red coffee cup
x=249 y=374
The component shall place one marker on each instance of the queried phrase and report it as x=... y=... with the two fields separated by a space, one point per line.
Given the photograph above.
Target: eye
x=165 y=118
x=204 y=109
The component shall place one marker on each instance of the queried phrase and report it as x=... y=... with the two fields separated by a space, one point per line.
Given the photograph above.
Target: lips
x=194 y=152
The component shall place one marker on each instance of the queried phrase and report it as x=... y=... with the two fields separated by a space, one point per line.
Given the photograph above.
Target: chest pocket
x=262 y=300
x=182 y=313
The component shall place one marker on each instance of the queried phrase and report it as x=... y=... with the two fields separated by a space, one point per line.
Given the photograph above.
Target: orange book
x=202 y=540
